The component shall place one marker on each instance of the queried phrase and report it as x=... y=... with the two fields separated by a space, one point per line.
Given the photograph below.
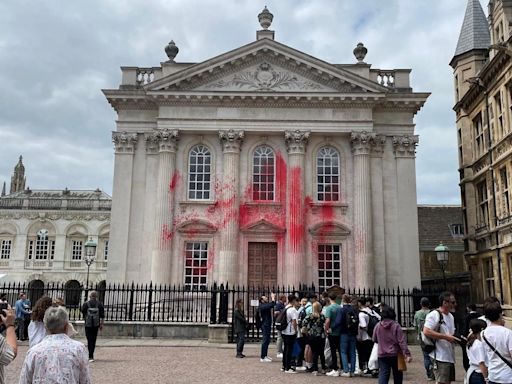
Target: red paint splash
x=295 y=210
x=175 y=179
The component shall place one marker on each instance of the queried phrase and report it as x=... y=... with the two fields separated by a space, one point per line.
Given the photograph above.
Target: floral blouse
x=314 y=325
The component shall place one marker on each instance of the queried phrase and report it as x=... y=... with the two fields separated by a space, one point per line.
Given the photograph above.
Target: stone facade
x=43 y=232
x=483 y=90
x=265 y=165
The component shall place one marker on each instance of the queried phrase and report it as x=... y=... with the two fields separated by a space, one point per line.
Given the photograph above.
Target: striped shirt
x=6 y=356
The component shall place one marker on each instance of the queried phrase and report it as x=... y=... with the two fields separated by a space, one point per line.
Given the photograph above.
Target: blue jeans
x=427 y=363
x=265 y=341
x=386 y=364
x=476 y=378
x=348 y=352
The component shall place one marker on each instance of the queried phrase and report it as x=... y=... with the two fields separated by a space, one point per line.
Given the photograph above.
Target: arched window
x=263 y=174
x=199 y=172
x=328 y=174
x=42 y=248
x=73 y=290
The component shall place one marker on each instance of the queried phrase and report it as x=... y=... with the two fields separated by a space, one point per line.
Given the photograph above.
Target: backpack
x=302 y=316
x=282 y=321
x=257 y=319
x=372 y=322
x=427 y=344
x=92 y=319
x=352 y=322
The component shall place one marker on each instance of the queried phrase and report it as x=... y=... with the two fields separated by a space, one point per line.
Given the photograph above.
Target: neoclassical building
x=265 y=165
x=482 y=69
x=43 y=233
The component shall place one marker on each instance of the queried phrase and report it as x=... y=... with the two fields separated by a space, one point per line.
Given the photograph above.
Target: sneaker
x=300 y=368
x=91 y=360
x=290 y=371
x=333 y=373
x=345 y=374
x=357 y=372
x=266 y=359
x=279 y=356
x=240 y=356
x=315 y=373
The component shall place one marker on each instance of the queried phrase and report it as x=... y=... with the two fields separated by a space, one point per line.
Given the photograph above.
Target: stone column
x=229 y=259
x=405 y=154
x=379 y=238
x=363 y=248
x=125 y=144
x=164 y=207
x=294 y=255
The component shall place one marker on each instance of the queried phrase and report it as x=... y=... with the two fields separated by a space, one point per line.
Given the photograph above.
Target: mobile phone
x=3 y=307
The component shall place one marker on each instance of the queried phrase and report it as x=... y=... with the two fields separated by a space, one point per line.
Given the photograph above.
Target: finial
x=265 y=18
x=171 y=50
x=360 y=53
x=3 y=189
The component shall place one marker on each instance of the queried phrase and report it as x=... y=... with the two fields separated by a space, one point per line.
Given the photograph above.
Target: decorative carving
x=405 y=146
x=151 y=140
x=167 y=139
x=266 y=78
x=124 y=142
x=171 y=50
x=265 y=18
x=231 y=140
x=362 y=142
x=378 y=146
x=296 y=141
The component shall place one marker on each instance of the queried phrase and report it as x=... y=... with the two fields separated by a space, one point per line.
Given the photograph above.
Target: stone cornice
x=231 y=140
x=405 y=146
x=124 y=142
x=296 y=141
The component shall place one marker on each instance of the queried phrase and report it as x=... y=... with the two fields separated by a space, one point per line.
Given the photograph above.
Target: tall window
x=76 y=249
x=105 y=251
x=489 y=278
x=479 y=134
x=263 y=174
x=5 y=250
x=483 y=203
x=328 y=174
x=199 y=173
x=499 y=114
x=329 y=265
x=41 y=248
x=505 y=199
x=196 y=265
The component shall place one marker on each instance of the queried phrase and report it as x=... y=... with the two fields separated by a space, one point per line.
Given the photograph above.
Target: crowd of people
x=53 y=355
x=348 y=336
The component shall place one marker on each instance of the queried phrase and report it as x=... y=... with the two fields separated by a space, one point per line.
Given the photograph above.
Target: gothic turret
x=18 y=178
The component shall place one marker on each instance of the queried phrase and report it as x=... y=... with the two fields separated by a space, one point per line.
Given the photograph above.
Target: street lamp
x=442 y=252
x=90 y=254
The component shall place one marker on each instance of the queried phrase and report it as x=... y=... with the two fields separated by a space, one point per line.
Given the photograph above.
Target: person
x=57 y=358
x=301 y=339
x=265 y=310
x=21 y=313
x=347 y=335
x=240 y=327
x=440 y=326
x=281 y=303
x=333 y=334
x=391 y=341
x=364 y=341
x=36 y=329
x=471 y=314
x=8 y=344
x=28 y=308
x=3 y=298
x=313 y=298
x=314 y=327
x=497 y=340
x=289 y=334
x=94 y=315
x=59 y=301
x=418 y=323
x=477 y=369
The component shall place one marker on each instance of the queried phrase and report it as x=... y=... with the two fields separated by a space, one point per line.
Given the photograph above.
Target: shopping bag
x=402 y=366
x=327 y=353
x=373 y=363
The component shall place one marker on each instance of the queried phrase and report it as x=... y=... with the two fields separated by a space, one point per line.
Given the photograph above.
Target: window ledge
x=264 y=203
x=316 y=206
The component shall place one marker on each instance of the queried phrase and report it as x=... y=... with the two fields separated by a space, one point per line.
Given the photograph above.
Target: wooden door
x=262 y=264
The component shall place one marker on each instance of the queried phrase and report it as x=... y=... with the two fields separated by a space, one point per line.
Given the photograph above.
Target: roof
x=474 y=33
x=434 y=226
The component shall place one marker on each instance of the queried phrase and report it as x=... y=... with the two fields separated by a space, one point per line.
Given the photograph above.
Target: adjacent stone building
x=43 y=232
x=483 y=94
x=265 y=165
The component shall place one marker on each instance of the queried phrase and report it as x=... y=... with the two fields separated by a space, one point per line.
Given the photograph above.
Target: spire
x=18 y=177
x=3 y=190
x=474 y=33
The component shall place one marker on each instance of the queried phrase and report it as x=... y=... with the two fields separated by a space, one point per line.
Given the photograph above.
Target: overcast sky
x=57 y=55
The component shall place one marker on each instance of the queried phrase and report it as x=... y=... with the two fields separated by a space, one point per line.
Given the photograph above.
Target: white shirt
x=291 y=314
x=501 y=339
x=444 y=349
x=363 y=323
x=477 y=355
x=36 y=332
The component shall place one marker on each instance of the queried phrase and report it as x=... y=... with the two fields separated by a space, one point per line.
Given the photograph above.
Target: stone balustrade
x=391 y=78
x=136 y=77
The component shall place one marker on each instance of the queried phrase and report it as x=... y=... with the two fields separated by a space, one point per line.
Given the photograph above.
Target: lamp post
x=442 y=253
x=90 y=255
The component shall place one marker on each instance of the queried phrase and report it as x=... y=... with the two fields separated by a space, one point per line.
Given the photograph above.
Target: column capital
x=378 y=146
x=362 y=142
x=124 y=142
x=405 y=146
x=231 y=140
x=151 y=140
x=296 y=141
x=167 y=139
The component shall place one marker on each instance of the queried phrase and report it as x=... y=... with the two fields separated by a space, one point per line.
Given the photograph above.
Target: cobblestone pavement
x=188 y=362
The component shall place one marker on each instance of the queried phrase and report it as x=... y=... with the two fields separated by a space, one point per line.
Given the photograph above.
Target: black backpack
x=92 y=318
x=282 y=321
x=372 y=322
x=352 y=322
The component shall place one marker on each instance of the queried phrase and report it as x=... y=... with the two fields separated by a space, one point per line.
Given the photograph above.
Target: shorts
x=443 y=372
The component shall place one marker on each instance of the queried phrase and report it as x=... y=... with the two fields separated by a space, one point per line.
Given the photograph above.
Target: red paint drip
x=296 y=210
x=175 y=179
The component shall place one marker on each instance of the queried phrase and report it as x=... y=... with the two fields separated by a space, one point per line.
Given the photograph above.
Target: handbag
x=402 y=366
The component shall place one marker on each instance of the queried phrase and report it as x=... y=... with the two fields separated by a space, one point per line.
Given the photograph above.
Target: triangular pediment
x=329 y=228
x=196 y=227
x=265 y=66
x=263 y=226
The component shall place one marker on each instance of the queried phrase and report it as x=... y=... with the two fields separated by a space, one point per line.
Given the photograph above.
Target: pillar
x=363 y=248
x=164 y=207
x=294 y=255
x=229 y=259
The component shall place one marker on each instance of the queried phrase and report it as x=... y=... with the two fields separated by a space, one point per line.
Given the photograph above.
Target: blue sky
x=57 y=55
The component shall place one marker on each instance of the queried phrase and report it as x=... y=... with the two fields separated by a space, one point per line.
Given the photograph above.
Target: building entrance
x=262 y=264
